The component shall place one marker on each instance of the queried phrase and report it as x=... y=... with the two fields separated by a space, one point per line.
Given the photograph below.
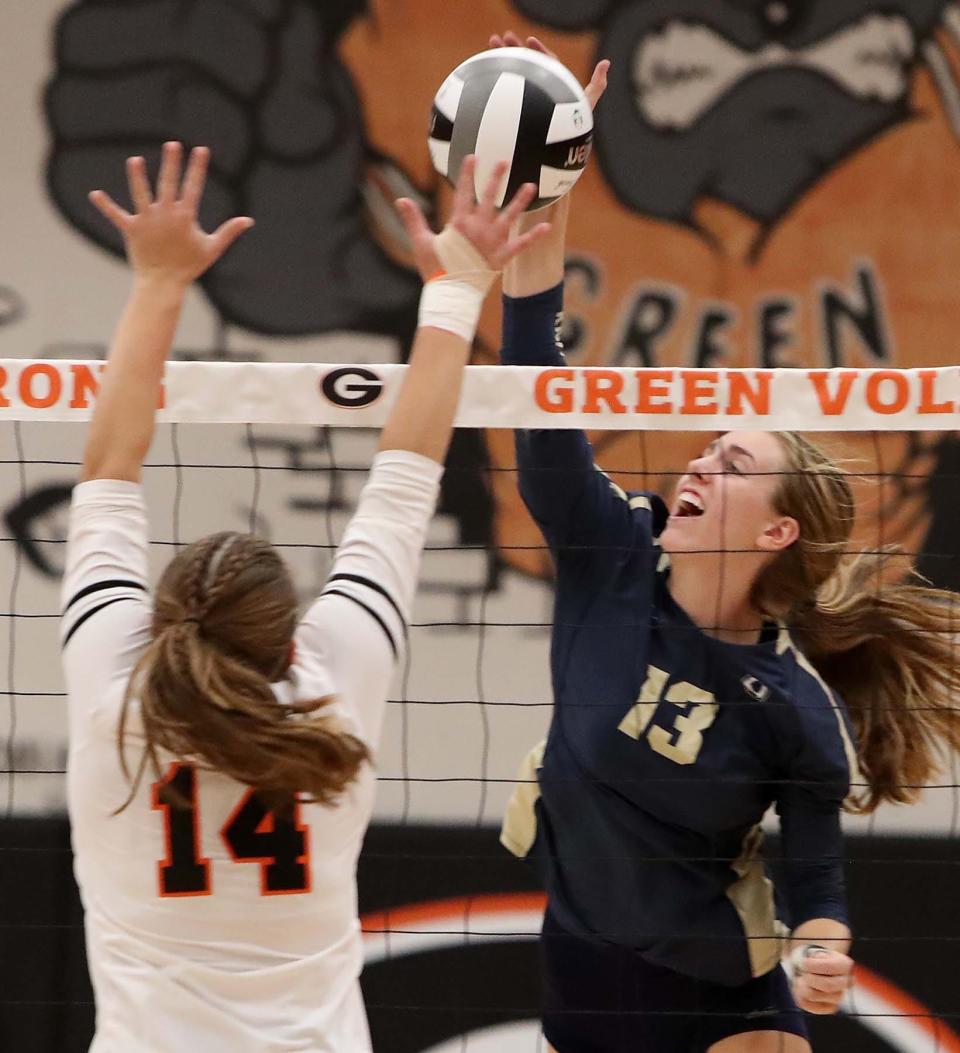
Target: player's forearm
x=530 y=328
x=459 y=266
x=541 y=267
x=421 y=419
x=827 y=932
x=552 y=463
x=124 y=416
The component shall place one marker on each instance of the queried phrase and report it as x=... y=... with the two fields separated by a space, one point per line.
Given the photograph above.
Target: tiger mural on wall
x=776 y=184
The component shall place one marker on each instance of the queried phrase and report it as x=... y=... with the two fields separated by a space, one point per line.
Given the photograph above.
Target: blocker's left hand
x=822 y=982
x=162 y=235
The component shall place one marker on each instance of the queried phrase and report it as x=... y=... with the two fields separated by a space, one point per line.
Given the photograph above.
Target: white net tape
x=347 y=396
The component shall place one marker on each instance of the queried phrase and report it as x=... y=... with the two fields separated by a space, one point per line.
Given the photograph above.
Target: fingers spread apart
x=118 y=216
x=169 y=190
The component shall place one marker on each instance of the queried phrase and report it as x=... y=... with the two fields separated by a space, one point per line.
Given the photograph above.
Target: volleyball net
x=283 y=450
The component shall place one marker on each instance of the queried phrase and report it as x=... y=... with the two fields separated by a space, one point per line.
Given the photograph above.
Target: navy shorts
x=600 y=998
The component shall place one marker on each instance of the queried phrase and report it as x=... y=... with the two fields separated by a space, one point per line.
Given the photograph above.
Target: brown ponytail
x=224 y=618
x=888 y=646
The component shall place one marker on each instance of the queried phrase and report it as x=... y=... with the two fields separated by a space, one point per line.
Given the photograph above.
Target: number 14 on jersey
x=254 y=833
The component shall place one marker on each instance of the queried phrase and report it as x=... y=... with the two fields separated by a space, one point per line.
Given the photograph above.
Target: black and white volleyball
x=515 y=105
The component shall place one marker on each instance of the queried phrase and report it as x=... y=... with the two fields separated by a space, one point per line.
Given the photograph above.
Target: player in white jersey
x=220 y=777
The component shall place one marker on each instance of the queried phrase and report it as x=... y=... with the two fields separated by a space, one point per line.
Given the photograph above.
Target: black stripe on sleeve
x=89 y=614
x=376 y=588
x=98 y=586
x=373 y=614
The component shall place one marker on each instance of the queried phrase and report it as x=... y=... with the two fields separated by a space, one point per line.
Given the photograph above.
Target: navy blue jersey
x=642 y=810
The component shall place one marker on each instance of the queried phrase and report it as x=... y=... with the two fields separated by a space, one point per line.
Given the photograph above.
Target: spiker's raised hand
x=598 y=82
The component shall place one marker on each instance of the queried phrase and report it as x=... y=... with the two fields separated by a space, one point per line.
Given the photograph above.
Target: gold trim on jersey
x=639 y=501
x=784 y=643
x=519 y=829
x=752 y=898
x=618 y=490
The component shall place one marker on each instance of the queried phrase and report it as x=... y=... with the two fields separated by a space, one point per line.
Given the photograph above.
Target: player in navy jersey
x=219 y=776
x=705 y=652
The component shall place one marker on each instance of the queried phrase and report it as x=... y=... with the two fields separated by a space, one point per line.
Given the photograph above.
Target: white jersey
x=221 y=928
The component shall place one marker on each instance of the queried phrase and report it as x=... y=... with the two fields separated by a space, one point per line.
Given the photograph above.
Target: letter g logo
x=352 y=387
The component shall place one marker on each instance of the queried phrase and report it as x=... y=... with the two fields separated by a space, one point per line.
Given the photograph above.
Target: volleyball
x=515 y=105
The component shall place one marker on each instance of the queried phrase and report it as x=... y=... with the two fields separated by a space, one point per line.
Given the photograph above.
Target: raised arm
x=106 y=603
x=573 y=504
x=167 y=251
x=458 y=267
x=358 y=625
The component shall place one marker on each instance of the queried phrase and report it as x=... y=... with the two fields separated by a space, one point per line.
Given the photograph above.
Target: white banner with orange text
x=513 y=396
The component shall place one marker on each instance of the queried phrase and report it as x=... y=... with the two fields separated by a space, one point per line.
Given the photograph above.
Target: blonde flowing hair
x=887 y=646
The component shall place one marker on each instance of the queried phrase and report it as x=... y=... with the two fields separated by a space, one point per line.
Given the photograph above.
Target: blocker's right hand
x=488 y=229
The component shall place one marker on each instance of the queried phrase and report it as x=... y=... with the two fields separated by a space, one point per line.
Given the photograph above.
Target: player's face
x=725 y=500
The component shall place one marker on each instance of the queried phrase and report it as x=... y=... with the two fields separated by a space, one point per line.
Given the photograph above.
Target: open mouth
x=681 y=70
x=689 y=505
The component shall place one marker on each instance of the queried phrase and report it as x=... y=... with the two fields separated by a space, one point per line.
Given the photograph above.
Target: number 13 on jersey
x=254 y=833
x=698 y=710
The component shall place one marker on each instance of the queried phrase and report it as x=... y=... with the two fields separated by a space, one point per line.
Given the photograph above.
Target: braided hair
x=223 y=625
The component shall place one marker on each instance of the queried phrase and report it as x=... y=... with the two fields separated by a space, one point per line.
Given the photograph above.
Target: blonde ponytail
x=890 y=651
x=887 y=645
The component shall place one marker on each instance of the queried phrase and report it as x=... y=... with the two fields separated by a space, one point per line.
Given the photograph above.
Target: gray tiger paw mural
x=749 y=102
x=260 y=82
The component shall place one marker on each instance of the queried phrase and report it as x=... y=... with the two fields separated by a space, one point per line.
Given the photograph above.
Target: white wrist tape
x=452 y=300
x=795 y=959
x=452 y=305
